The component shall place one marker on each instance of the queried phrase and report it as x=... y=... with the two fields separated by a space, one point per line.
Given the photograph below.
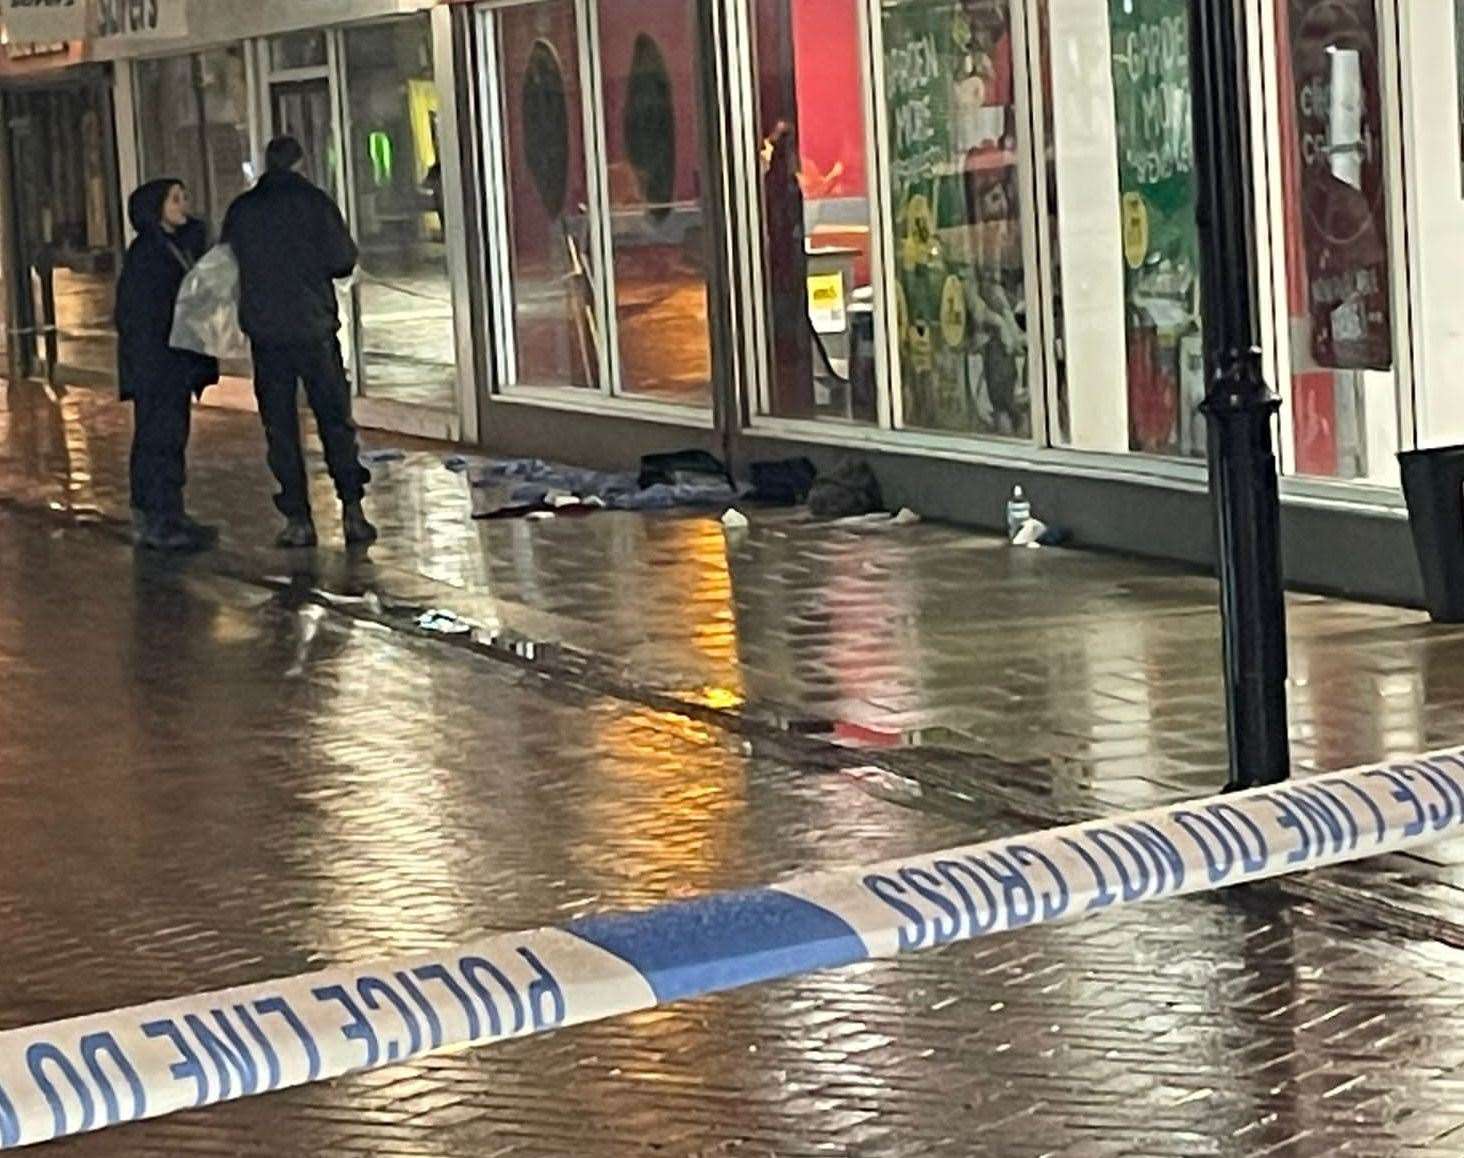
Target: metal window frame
x=497 y=232
x=611 y=397
x=755 y=346
x=1271 y=255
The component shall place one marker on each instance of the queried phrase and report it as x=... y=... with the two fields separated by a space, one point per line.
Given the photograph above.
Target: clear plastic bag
x=206 y=318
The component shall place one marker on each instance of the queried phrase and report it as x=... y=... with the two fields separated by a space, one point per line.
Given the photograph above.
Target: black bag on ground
x=784 y=483
x=849 y=489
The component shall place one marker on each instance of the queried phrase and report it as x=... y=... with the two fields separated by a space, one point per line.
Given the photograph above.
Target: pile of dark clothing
x=690 y=479
x=665 y=482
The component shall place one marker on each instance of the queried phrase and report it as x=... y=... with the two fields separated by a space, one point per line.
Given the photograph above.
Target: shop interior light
x=382 y=164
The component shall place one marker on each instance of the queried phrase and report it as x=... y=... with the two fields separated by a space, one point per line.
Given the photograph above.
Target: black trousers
x=278 y=374
x=161 y=418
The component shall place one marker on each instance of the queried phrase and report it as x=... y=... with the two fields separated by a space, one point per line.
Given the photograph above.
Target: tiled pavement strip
x=205 y=781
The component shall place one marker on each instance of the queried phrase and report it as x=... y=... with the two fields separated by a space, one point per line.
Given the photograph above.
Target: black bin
x=1433 y=483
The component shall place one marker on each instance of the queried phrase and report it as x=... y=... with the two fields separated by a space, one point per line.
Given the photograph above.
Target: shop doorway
x=363 y=102
x=67 y=220
x=302 y=109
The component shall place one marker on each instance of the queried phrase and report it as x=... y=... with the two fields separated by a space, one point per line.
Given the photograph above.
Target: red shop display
x=1338 y=138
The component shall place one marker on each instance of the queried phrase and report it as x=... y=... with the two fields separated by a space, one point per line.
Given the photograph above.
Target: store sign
x=43 y=21
x=1334 y=51
x=37 y=51
x=141 y=19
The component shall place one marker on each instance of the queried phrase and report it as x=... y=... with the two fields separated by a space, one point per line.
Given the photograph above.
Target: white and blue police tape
x=83 y=1074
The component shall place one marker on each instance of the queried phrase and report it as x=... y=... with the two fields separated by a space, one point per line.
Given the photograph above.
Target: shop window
x=298 y=50
x=960 y=265
x=408 y=350
x=1338 y=281
x=67 y=217
x=1159 y=234
x=656 y=182
x=548 y=275
x=545 y=115
x=650 y=125
x=601 y=231
x=193 y=124
x=816 y=254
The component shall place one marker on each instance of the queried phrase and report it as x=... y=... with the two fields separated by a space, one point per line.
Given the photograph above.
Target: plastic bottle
x=1018 y=511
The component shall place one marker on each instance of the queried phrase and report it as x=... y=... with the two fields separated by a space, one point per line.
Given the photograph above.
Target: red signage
x=1339 y=120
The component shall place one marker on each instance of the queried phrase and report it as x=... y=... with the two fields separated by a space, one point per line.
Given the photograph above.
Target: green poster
x=1161 y=250
x=919 y=68
x=1151 y=86
x=947 y=66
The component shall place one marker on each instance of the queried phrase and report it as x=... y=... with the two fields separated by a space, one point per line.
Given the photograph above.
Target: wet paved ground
x=233 y=768
x=1097 y=677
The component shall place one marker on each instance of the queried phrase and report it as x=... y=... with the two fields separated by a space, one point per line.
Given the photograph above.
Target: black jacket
x=147 y=295
x=292 y=243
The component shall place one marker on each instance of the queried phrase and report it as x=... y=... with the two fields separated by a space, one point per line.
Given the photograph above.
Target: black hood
x=145 y=206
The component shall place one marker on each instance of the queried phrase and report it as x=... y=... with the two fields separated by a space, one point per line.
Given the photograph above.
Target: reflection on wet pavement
x=250 y=764
x=206 y=782
x=1103 y=668
x=1087 y=683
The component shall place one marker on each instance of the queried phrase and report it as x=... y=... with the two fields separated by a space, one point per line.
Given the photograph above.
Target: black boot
x=168 y=535
x=203 y=534
x=359 y=531
x=299 y=534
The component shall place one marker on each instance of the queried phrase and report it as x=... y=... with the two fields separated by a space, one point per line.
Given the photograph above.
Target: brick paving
x=242 y=766
x=1067 y=684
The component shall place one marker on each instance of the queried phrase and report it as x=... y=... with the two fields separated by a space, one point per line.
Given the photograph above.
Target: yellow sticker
x=920 y=221
x=953 y=312
x=826 y=306
x=1135 y=230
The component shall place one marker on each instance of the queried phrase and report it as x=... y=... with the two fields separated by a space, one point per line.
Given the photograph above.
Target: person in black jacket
x=158 y=380
x=292 y=244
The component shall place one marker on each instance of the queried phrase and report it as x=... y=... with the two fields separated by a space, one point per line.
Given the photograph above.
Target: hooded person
x=160 y=381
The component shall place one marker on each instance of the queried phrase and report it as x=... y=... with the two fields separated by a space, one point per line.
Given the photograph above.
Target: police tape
x=90 y=1072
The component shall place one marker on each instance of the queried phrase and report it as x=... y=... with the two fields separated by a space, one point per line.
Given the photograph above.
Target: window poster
x=1343 y=204
x=1160 y=238
x=960 y=275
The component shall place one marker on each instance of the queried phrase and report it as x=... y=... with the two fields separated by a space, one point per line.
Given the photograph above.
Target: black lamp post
x=1239 y=405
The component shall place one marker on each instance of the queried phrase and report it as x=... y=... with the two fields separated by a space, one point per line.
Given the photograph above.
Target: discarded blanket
x=540 y=487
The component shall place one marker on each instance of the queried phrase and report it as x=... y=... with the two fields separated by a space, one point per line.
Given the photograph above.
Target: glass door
x=597 y=188
x=1334 y=156
x=652 y=126
x=302 y=99
x=364 y=103
x=68 y=231
x=302 y=109
x=815 y=251
x=404 y=294
x=541 y=184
